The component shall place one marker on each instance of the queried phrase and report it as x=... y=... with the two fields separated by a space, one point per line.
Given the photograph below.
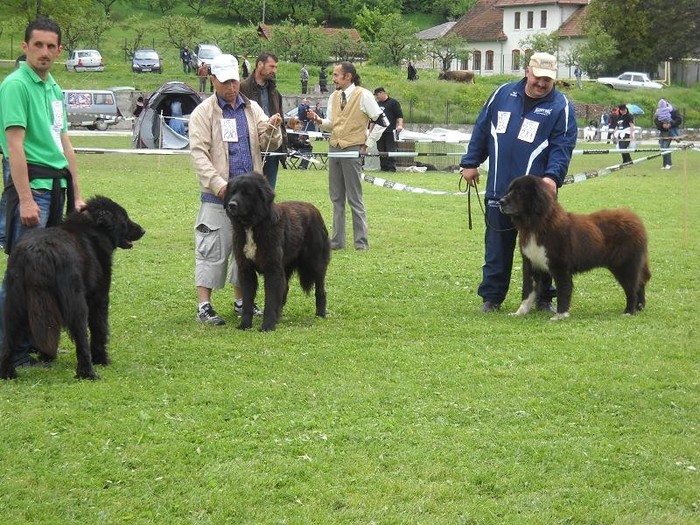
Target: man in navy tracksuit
x=525 y=128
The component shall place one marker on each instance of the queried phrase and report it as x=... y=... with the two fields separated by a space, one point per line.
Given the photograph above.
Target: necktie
x=343 y=100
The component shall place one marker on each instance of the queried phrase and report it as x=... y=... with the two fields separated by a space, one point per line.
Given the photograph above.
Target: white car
x=203 y=53
x=85 y=60
x=629 y=80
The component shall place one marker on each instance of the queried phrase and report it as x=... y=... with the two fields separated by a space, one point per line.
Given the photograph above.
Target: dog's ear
x=268 y=193
x=102 y=217
x=540 y=196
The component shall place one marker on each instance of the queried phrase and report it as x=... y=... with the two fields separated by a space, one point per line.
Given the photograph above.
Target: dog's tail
x=45 y=320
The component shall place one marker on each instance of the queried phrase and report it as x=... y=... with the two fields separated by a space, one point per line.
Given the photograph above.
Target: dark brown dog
x=562 y=244
x=61 y=276
x=275 y=240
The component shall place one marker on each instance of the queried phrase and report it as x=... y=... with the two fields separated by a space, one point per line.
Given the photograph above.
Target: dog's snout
x=232 y=205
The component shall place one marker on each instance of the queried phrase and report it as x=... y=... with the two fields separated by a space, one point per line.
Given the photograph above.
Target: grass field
x=404 y=406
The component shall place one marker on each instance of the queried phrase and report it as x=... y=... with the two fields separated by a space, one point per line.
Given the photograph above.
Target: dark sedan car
x=146 y=61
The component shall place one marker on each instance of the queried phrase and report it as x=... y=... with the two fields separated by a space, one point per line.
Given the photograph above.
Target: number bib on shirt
x=229 y=133
x=502 y=124
x=57 y=128
x=528 y=130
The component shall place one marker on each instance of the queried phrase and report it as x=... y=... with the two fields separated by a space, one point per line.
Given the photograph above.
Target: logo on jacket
x=543 y=111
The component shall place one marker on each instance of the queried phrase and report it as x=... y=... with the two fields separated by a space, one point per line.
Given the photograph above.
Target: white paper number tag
x=229 y=133
x=528 y=130
x=503 y=118
x=57 y=127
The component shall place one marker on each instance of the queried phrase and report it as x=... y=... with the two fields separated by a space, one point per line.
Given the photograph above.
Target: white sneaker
x=668 y=167
x=238 y=309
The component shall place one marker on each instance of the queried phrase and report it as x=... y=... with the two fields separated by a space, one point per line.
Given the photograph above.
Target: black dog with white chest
x=61 y=277
x=275 y=240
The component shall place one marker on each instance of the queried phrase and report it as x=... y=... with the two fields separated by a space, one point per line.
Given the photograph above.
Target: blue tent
x=163 y=121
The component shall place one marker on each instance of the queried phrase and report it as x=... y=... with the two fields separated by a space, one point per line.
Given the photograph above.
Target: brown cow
x=460 y=75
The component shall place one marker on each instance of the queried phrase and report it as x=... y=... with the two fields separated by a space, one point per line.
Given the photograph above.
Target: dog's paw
x=101 y=360
x=559 y=317
x=521 y=311
x=245 y=326
x=10 y=373
x=86 y=374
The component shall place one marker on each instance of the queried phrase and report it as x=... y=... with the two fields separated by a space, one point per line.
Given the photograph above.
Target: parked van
x=93 y=109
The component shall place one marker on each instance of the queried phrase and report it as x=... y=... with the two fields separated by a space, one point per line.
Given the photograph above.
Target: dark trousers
x=387 y=144
x=500 y=238
x=270 y=169
x=624 y=144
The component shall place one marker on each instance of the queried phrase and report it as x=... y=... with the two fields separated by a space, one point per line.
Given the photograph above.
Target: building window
x=476 y=61
x=516 y=24
x=516 y=59
x=543 y=18
x=530 y=19
x=489 y=61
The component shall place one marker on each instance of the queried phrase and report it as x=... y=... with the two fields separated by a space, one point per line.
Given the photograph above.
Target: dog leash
x=469 y=199
x=481 y=205
x=266 y=153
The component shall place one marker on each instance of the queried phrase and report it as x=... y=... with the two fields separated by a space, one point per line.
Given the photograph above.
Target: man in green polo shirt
x=33 y=134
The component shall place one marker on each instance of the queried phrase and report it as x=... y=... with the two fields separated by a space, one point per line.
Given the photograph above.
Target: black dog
x=61 y=276
x=275 y=240
x=561 y=244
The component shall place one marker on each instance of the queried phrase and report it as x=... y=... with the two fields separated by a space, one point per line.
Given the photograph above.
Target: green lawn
x=404 y=406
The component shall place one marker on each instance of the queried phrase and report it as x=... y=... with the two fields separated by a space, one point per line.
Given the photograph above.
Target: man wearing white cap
x=525 y=128
x=227 y=133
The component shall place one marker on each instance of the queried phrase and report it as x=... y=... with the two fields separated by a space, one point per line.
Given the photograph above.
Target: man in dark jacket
x=261 y=87
x=387 y=142
x=525 y=128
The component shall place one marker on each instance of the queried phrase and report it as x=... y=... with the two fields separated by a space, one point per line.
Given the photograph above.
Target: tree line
x=634 y=34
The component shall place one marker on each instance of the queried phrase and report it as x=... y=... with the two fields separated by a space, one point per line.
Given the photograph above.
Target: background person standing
x=412 y=71
x=226 y=133
x=261 y=88
x=578 y=73
x=186 y=57
x=387 y=142
x=668 y=129
x=304 y=77
x=350 y=110
x=525 y=128
x=203 y=75
x=624 y=130
x=323 y=80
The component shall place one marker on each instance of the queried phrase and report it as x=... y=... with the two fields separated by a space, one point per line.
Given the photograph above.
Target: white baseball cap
x=544 y=65
x=224 y=68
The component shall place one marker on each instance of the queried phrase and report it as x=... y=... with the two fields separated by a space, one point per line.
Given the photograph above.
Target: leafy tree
x=107 y=5
x=164 y=6
x=395 y=42
x=197 y=5
x=300 y=42
x=140 y=29
x=448 y=8
x=179 y=30
x=81 y=26
x=648 y=31
x=246 y=41
x=343 y=47
x=593 y=54
x=447 y=48
x=368 y=23
x=541 y=42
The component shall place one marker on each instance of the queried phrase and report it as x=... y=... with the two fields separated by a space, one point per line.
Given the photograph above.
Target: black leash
x=481 y=205
x=469 y=198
